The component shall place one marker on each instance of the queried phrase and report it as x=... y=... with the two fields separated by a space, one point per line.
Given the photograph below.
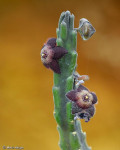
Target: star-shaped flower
x=50 y=54
x=82 y=97
x=82 y=102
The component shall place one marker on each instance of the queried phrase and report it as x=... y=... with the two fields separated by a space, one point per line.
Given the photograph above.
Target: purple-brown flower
x=50 y=54
x=82 y=102
x=82 y=97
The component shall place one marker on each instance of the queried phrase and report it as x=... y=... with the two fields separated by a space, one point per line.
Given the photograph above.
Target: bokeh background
x=26 y=101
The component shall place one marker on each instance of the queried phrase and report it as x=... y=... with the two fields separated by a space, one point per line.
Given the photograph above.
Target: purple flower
x=50 y=54
x=82 y=102
x=82 y=97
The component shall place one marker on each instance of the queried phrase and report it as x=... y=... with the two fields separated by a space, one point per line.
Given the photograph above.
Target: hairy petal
x=94 y=98
x=51 y=42
x=71 y=95
x=59 y=52
x=54 y=65
x=82 y=101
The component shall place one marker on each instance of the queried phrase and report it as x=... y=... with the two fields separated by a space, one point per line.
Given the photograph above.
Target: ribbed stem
x=71 y=136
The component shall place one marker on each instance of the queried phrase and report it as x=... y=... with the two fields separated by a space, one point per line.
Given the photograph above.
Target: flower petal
x=81 y=87
x=52 y=42
x=94 y=98
x=59 y=52
x=72 y=95
x=54 y=65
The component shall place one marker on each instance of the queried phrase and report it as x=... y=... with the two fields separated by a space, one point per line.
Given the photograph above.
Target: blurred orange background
x=26 y=101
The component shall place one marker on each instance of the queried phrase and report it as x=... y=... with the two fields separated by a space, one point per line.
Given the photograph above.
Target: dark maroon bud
x=50 y=54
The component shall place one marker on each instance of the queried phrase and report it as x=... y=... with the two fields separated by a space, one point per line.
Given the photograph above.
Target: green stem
x=71 y=135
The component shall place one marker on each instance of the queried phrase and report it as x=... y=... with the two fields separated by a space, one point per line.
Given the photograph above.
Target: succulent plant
x=71 y=99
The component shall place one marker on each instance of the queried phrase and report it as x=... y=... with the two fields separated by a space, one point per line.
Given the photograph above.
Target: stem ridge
x=70 y=132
